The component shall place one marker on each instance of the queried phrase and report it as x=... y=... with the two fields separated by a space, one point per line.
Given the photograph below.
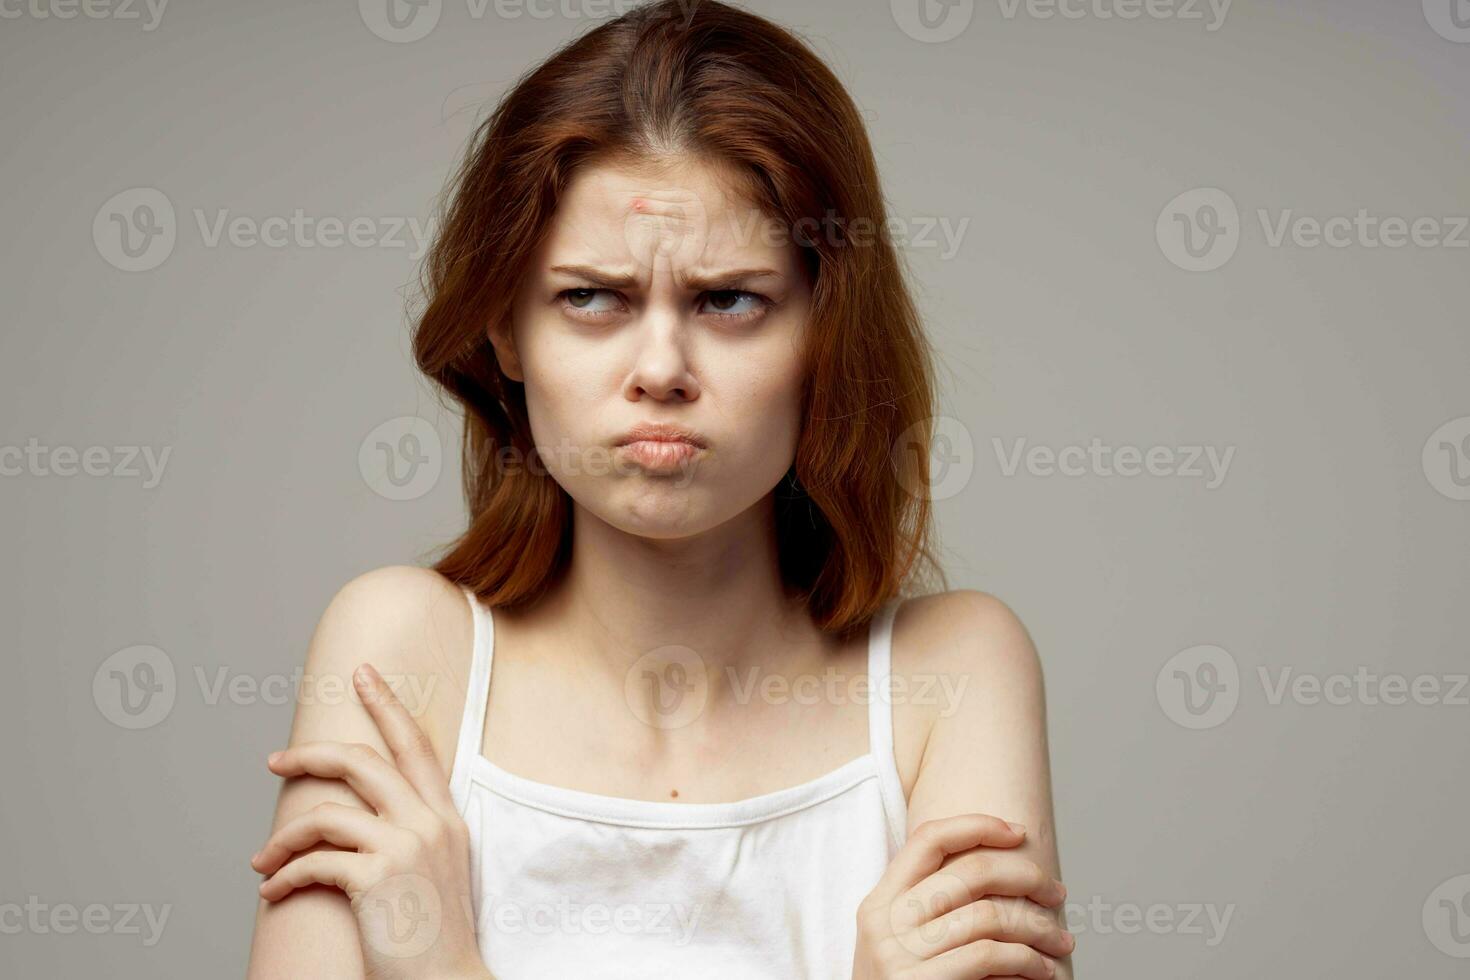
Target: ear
x=502 y=338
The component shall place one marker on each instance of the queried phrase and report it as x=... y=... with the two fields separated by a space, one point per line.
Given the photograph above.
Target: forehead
x=620 y=213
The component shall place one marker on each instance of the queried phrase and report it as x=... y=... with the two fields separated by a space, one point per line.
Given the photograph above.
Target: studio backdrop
x=1197 y=275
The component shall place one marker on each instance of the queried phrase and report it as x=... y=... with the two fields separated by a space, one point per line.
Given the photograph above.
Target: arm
x=415 y=627
x=987 y=751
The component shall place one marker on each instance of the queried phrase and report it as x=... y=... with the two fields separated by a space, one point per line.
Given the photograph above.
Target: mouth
x=659 y=447
x=658 y=456
x=662 y=432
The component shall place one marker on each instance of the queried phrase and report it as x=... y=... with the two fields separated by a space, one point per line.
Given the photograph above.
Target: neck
x=717 y=594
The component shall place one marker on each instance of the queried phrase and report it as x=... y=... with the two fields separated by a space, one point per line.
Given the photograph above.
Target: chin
x=657 y=507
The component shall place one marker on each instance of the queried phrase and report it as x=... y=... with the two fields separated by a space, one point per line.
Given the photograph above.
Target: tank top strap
x=880 y=716
x=477 y=697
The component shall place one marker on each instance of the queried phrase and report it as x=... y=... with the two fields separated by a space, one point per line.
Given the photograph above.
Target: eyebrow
x=713 y=282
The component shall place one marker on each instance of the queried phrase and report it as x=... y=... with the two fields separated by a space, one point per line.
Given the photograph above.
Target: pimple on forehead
x=671 y=203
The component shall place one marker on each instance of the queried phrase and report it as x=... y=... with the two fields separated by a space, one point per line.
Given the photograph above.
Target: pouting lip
x=661 y=432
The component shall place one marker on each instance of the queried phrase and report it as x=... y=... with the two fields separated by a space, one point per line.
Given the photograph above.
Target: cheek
x=762 y=409
x=567 y=389
x=784 y=397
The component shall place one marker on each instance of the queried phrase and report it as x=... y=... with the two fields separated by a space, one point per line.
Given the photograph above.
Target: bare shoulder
x=416 y=628
x=958 y=655
x=985 y=742
x=404 y=600
x=967 y=630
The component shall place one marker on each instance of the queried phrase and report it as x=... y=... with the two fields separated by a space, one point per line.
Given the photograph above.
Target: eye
x=735 y=304
x=588 y=302
x=729 y=305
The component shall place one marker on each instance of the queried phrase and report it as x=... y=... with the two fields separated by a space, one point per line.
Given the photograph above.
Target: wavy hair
x=712 y=81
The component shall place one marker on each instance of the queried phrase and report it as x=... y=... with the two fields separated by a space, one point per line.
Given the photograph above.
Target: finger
x=340 y=869
x=988 y=958
x=345 y=826
x=1003 y=919
x=981 y=874
x=934 y=840
x=361 y=767
x=411 y=748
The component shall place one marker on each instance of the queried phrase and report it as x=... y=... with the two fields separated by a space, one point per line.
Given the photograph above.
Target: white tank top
x=568 y=883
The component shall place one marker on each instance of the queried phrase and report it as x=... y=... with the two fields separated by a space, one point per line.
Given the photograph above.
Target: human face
x=660 y=298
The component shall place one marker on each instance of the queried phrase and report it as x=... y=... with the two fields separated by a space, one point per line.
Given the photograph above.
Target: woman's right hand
x=983 y=914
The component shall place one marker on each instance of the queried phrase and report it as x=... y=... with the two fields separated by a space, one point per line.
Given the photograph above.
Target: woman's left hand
x=405 y=867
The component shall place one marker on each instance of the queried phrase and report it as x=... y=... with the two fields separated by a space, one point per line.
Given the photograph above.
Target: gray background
x=1329 y=833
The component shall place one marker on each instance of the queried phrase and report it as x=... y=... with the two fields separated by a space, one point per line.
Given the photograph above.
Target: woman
x=717 y=744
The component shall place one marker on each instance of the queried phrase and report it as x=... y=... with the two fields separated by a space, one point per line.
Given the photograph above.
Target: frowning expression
x=659 y=334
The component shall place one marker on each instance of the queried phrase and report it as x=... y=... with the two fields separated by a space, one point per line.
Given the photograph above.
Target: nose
x=661 y=368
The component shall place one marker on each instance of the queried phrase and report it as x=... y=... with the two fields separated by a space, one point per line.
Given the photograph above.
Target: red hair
x=712 y=81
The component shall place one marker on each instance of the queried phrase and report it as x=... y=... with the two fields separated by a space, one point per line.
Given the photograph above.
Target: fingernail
x=1051 y=968
x=1063 y=889
x=1017 y=827
x=361 y=675
x=255 y=858
x=273 y=758
x=1071 y=939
